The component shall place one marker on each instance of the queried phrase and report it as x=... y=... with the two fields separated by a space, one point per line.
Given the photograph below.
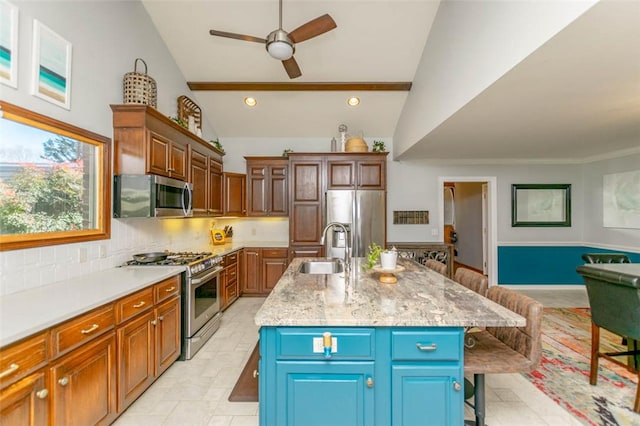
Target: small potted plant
x=378 y=146
x=372 y=256
x=388 y=258
x=217 y=144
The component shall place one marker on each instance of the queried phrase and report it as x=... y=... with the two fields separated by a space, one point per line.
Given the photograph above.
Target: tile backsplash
x=29 y=268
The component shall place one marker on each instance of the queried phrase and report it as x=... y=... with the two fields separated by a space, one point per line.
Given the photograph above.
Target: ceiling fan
x=281 y=44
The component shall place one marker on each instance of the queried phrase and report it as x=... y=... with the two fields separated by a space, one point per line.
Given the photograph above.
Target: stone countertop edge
x=420 y=298
x=224 y=249
x=28 y=312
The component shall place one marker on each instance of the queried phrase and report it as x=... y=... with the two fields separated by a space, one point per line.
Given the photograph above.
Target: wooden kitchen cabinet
x=147 y=142
x=263 y=267
x=166 y=157
x=230 y=284
x=267 y=189
x=83 y=384
x=235 y=194
x=206 y=178
x=88 y=369
x=310 y=251
x=148 y=337
x=216 y=184
x=24 y=389
x=306 y=199
x=356 y=171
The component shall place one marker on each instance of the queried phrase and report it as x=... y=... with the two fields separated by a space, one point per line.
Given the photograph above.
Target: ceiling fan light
x=280 y=50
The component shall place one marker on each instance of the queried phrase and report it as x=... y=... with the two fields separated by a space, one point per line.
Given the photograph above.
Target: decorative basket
x=187 y=108
x=139 y=88
x=356 y=145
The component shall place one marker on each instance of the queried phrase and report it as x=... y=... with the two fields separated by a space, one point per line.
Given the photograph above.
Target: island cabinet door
x=426 y=395
x=324 y=393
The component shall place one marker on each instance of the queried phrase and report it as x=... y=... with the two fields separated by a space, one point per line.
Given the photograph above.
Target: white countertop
x=25 y=313
x=420 y=298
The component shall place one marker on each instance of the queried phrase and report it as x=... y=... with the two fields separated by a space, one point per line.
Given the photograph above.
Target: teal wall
x=545 y=264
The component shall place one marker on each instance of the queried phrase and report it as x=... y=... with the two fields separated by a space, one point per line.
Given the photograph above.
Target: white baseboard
x=544 y=286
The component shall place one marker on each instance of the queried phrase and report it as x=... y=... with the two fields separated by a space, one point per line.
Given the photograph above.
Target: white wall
x=470 y=46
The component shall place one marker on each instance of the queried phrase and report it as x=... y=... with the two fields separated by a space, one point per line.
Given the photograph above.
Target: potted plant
x=378 y=146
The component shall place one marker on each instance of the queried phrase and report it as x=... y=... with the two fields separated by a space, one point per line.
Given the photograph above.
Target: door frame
x=492 y=219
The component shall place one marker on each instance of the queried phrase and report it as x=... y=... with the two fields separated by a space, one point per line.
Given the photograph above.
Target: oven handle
x=206 y=277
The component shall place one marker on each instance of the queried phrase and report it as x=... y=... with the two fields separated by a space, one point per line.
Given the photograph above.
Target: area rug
x=563 y=373
x=246 y=388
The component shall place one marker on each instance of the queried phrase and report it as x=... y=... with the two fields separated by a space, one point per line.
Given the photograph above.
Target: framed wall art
x=621 y=200
x=539 y=205
x=8 y=44
x=51 y=66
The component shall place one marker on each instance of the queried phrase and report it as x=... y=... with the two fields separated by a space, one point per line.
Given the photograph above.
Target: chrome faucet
x=347 y=233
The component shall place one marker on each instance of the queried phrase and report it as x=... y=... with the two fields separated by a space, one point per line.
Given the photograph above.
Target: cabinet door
x=178 y=161
x=274 y=263
x=199 y=179
x=325 y=393
x=167 y=335
x=372 y=174
x=426 y=395
x=278 y=197
x=306 y=202
x=135 y=359
x=84 y=384
x=26 y=402
x=235 y=193
x=257 y=175
x=251 y=282
x=215 y=188
x=341 y=174
x=158 y=156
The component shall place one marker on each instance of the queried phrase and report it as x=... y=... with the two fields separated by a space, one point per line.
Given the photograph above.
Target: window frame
x=102 y=199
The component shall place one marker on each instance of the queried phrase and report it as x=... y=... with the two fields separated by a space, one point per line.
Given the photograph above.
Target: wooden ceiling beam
x=404 y=86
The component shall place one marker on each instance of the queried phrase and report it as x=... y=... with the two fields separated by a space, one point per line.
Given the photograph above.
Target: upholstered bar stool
x=504 y=349
x=439 y=267
x=472 y=280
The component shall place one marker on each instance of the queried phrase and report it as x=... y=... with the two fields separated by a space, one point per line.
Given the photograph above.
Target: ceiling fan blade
x=292 y=68
x=237 y=36
x=313 y=28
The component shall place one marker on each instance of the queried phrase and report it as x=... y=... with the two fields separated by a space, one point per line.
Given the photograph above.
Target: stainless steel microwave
x=151 y=196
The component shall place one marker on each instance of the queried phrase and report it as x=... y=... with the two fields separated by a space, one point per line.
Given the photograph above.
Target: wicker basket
x=187 y=108
x=356 y=145
x=139 y=88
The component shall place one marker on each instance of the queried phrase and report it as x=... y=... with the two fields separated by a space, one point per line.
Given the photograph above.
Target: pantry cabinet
x=263 y=267
x=306 y=200
x=267 y=186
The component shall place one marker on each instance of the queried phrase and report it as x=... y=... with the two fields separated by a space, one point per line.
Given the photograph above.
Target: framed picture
x=51 y=66
x=8 y=44
x=541 y=205
x=621 y=200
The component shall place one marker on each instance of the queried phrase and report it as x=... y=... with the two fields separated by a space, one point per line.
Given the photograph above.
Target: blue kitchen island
x=348 y=350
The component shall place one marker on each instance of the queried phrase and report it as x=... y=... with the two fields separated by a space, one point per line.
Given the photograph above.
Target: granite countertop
x=25 y=313
x=420 y=298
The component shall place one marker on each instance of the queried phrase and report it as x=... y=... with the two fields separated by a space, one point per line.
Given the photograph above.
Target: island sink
x=321 y=267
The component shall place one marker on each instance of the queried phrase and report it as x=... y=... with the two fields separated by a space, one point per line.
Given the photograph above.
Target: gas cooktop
x=196 y=261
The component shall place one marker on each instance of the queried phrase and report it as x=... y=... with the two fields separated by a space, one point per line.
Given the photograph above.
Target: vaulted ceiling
x=576 y=96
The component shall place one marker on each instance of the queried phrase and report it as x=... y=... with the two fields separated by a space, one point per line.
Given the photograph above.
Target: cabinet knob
x=42 y=394
x=370 y=382
x=64 y=381
x=256 y=373
x=456 y=386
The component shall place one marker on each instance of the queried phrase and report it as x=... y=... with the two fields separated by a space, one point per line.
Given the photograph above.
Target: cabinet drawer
x=232 y=291
x=420 y=345
x=22 y=358
x=81 y=329
x=232 y=273
x=352 y=343
x=166 y=289
x=275 y=252
x=230 y=259
x=132 y=305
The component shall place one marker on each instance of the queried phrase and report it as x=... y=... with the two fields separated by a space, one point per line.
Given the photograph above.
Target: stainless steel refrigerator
x=364 y=211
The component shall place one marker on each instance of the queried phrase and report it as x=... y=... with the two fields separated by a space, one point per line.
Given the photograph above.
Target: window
x=55 y=181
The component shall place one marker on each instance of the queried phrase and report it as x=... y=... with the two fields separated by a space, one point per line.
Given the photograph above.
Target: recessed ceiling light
x=353 y=101
x=250 y=101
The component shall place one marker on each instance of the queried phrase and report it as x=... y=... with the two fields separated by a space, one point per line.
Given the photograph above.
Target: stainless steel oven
x=201 y=309
x=200 y=294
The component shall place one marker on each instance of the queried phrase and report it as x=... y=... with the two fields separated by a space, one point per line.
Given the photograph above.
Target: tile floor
x=195 y=392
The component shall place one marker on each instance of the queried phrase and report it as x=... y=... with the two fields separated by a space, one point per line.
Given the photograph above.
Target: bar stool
x=439 y=267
